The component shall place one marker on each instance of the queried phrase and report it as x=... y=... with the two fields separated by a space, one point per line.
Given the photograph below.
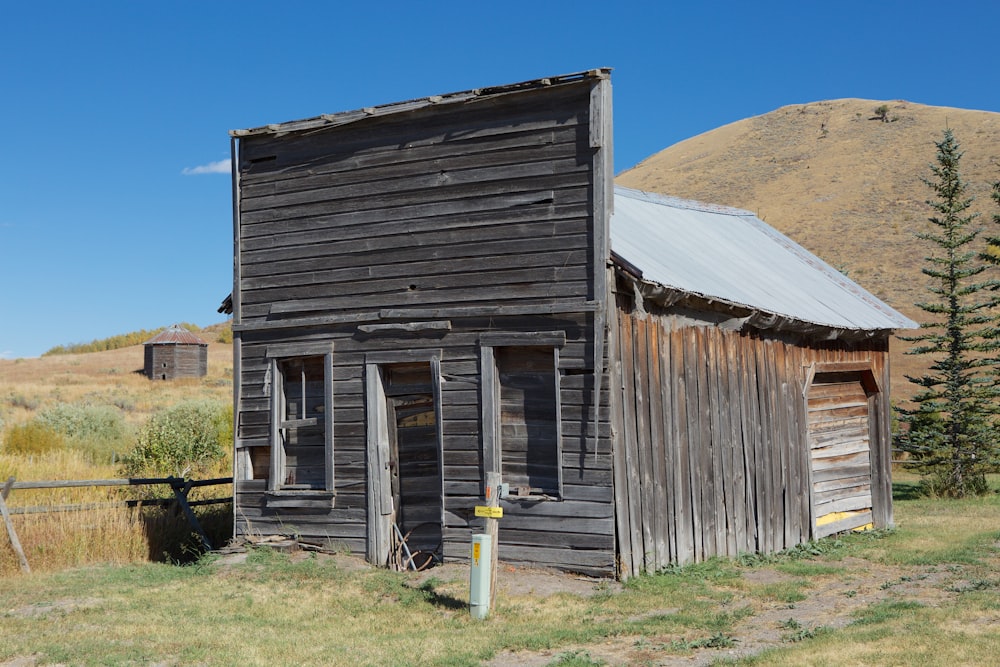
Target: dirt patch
x=53 y=607
x=516 y=580
x=832 y=601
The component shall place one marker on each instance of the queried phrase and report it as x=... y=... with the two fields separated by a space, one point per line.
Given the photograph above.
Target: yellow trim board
x=837 y=516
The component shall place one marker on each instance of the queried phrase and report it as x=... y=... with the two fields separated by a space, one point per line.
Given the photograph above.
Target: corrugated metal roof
x=175 y=335
x=729 y=255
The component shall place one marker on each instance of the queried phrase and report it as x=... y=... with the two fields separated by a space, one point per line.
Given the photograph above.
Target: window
x=302 y=424
x=522 y=429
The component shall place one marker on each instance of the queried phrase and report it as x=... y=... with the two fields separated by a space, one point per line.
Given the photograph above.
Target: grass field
x=110 y=380
x=927 y=593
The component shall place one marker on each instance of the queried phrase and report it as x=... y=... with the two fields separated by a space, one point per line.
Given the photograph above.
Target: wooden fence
x=180 y=486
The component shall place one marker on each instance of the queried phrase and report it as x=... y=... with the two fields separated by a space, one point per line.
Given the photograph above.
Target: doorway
x=840 y=452
x=405 y=441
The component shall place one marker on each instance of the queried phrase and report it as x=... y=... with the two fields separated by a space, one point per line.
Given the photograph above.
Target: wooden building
x=431 y=290
x=175 y=353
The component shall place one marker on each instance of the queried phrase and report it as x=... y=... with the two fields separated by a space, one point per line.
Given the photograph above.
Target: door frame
x=379 y=505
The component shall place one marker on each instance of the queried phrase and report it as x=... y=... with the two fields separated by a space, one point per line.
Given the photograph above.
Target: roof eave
x=742 y=317
x=343 y=118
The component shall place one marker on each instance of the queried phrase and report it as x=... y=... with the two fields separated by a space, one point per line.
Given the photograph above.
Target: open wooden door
x=840 y=425
x=405 y=476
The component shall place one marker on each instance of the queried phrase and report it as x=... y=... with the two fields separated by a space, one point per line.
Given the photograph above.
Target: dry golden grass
x=842 y=184
x=112 y=378
x=54 y=541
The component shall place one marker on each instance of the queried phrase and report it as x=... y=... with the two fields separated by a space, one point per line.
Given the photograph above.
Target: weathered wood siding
x=415 y=234
x=713 y=453
x=169 y=362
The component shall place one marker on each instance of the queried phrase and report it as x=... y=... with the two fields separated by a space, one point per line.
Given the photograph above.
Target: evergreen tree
x=950 y=434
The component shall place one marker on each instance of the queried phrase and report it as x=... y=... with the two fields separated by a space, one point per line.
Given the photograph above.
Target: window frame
x=490 y=397
x=278 y=355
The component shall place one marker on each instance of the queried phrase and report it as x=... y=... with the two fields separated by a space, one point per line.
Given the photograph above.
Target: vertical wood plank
x=765 y=464
x=640 y=347
x=669 y=429
x=602 y=139
x=736 y=449
x=490 y=402
x=659 y=509
x=684 y=494
x=620 y=470
x=436 y=391
x=627 y=341
x=277 y=408
x=692 y=363
x=379 y=490
x=328 y=439
x=781 y=446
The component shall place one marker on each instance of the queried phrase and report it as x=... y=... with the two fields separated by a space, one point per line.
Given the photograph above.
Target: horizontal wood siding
x=486 y=204
x=169 y=362
x=840 y=452
x=575 y=532
x=713 y=432
x=431 y=214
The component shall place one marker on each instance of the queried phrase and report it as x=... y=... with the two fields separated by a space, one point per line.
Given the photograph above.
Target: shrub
x=22 y=401
x=77 y=420
x=32 y=437
x=192 y=438
x=98 y=430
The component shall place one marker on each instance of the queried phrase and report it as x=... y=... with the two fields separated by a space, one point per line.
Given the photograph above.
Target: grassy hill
x=112 y=377
x=841 y=182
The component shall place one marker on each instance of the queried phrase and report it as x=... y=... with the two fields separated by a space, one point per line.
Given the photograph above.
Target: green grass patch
x=809 y=568
x=880 y=612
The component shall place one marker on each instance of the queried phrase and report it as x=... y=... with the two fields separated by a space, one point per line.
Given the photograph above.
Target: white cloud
x=220 y=167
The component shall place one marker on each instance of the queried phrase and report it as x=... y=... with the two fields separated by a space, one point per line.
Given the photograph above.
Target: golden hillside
x=839 y=181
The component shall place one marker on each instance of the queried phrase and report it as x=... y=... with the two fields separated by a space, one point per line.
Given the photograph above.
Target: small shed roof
x=729 y=255
x=175 y=335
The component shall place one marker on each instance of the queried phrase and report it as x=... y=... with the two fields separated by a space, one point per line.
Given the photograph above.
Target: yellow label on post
x=489 y=512
x=475 y=553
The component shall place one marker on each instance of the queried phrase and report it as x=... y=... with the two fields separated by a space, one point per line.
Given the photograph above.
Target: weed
x=718 y=640
x=974 y=585
x=576 y=659
x=802 y=633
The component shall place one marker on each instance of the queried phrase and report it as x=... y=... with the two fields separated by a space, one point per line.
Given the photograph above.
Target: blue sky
x=116 y=216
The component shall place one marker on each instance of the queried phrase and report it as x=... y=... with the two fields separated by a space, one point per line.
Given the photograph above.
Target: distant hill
x=840 y=181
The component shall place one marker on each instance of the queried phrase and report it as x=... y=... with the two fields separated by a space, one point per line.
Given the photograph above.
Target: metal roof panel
x=731 y=256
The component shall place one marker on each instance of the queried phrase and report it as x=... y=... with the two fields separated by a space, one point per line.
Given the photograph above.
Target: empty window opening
x=301 y=447
x=528 y=419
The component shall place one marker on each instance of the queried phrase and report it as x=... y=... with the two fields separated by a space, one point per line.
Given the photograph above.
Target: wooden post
x=181 y=488
x=14 y=542
x=493 y=530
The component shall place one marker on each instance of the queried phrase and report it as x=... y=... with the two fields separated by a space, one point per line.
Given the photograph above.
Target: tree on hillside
x=950 y=428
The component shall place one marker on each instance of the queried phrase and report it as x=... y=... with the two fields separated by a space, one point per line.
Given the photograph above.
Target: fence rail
x=180 y=487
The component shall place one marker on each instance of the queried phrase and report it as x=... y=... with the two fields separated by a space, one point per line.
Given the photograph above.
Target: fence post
x=181 y=489
x=11 y=533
